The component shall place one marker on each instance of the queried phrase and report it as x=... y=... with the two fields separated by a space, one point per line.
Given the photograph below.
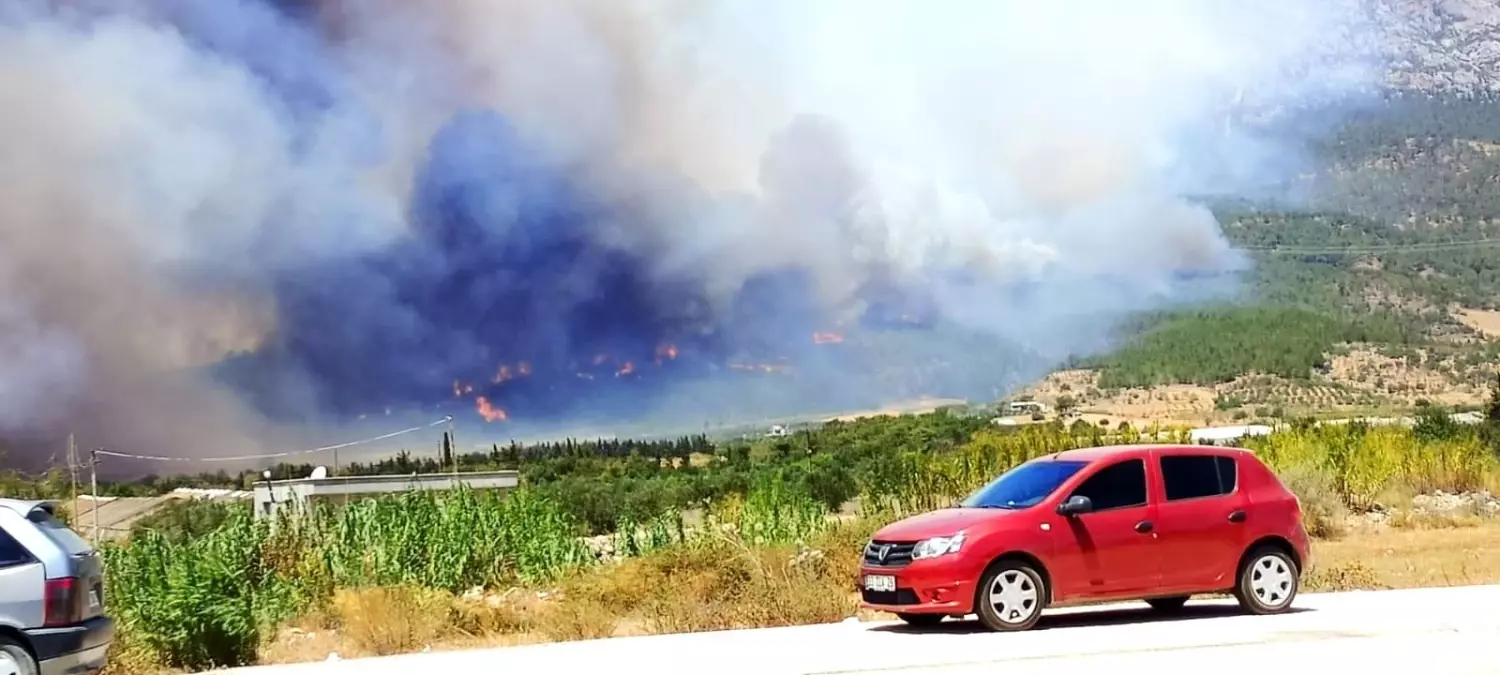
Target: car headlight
x=936 y=546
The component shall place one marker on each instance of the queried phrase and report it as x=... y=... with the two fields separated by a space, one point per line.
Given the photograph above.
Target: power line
x=275 y=455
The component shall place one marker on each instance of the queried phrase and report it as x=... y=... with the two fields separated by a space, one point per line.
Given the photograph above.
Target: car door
x=1199 y=520
x=22 y=582
x=1109 y=550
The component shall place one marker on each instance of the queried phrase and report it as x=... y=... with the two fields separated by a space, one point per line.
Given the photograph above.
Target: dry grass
x=1323 y=511
x=918 y=406
x=726 y=586
x=383 y=621
x=1483 y=321
x=1408 y=558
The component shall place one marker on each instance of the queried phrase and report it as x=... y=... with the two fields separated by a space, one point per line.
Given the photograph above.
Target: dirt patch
x=1171 y=405
x=912 y=407
x=1408 y=558
x=1411 y=376
x=1486 y=322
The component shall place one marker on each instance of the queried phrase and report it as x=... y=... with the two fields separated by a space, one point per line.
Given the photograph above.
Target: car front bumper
x=921 y=588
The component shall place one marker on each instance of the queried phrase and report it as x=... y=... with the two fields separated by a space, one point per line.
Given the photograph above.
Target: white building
x=1026 y=407
x=297 y=493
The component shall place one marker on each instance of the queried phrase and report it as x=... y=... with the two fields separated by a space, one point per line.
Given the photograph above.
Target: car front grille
x=897 y=554
x=900 y=596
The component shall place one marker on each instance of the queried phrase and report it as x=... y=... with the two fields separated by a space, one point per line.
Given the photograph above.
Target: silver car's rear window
x=58 y=532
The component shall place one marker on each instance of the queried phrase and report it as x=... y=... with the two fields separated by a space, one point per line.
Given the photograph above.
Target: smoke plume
x=221 y=216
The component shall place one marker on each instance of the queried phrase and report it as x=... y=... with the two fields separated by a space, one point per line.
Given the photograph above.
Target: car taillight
x=62 y=607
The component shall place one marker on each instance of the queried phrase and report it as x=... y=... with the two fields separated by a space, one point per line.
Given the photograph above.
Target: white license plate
x=93 y=599
x=880 y=582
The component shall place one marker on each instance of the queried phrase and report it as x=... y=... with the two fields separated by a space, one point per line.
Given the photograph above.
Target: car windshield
x=1023 y=486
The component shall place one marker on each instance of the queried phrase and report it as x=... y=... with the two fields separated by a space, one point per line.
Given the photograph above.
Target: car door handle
x=1236 y=516
x=1143 y=526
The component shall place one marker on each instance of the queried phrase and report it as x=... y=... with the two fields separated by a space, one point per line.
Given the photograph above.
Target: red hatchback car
x=1156 y=523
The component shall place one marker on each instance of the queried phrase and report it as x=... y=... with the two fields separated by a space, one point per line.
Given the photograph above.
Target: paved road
x=1449 y=631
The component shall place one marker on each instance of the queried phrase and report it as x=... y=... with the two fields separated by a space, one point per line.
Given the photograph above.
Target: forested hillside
x=1388 y=247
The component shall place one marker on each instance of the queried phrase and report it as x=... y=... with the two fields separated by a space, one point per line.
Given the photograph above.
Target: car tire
x=1010 y=596
x=921 y=620
x=15 y=658
x=1268 y=581
x=1170 y=604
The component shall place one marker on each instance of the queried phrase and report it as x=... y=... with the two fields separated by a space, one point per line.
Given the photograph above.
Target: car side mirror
x=1075 y=505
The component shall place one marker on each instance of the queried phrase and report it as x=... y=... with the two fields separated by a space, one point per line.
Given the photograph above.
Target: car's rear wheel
x=923 y=620
x=1268 y=581
x=1171 y=604
x=1010 y=596
x=15 y=659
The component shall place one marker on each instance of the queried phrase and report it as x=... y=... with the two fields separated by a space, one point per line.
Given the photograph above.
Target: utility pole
x=73 y=473
x=94 y=486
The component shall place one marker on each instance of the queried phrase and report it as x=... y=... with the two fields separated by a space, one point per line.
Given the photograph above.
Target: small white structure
x=777 y=431
x=1227 y=435
x=297 y=493
x=1468 y=417
x=1026 y=407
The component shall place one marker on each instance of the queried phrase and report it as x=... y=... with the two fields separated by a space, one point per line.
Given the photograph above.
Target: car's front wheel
x=1268 y=582
x=15 y=659
x=1010 y=596
x=921 y=620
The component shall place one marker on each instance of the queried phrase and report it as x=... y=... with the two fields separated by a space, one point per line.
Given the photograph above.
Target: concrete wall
x=275 y=496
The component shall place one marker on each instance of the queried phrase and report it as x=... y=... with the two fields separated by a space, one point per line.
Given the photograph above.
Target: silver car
x=51 y=595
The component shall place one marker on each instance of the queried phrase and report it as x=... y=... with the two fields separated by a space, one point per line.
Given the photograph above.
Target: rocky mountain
x=1449 y=47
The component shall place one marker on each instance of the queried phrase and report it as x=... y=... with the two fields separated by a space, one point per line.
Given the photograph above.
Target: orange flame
x=461 y=390
x=489 y=412
x=626 y=369
x=666 y=351
x=827 y=338
x=505 y=372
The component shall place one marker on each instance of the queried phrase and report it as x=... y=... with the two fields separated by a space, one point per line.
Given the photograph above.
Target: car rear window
x=58 y=531
x=1197 y=476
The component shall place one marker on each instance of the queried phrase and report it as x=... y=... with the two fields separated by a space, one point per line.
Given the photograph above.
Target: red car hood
x=940 y=523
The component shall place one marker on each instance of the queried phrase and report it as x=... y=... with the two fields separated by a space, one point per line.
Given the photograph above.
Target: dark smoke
x=590 y=211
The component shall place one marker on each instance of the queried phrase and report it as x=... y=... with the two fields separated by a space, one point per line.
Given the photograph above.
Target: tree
x=1489 y=432
x=1492 y=406
x=1435 y=424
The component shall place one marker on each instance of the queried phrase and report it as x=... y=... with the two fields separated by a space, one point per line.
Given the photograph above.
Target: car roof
x=26 y=506
x=1105 y=452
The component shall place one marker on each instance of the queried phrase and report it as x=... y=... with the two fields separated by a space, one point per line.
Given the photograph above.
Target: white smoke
x=153 y=181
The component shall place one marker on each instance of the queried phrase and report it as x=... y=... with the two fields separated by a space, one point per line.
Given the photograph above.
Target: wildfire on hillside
x=667 y=351
x=461 y=389
x=506 y=372
x=626 y=369
x=826 y=338
x=489 y=412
